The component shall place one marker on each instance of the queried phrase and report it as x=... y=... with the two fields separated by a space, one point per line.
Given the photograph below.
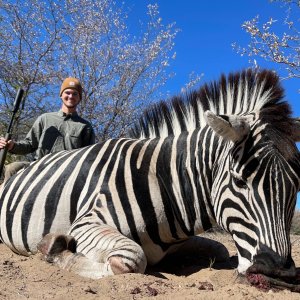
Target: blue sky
x=208 y=28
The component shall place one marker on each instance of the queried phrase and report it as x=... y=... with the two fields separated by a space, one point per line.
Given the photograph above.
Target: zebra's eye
x=238 y=180
x=240 y=183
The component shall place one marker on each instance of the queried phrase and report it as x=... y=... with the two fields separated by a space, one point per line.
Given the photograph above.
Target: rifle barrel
x=17 y=102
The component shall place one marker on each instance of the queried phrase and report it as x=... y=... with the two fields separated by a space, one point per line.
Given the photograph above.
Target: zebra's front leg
x=100 y=251
x=199 y=246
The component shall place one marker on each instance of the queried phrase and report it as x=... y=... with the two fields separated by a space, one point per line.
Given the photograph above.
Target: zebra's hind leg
x=100 y=252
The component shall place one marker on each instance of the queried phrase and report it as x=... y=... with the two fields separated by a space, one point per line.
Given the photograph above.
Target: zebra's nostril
x=267 y=261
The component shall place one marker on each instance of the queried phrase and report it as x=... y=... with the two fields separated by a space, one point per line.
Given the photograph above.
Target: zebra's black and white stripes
x=216 y=156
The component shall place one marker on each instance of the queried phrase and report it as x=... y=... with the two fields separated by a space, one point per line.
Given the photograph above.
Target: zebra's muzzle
x=270 y=271
x=266 y=283
x=273 y=266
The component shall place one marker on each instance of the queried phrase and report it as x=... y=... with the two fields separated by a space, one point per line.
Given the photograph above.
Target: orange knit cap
x=71 y=83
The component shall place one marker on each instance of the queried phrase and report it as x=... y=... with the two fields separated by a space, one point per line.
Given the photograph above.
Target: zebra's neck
x=184 y=169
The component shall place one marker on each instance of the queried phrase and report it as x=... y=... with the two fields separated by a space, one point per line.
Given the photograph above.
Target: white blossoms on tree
x=42 y=42
x=276 y=41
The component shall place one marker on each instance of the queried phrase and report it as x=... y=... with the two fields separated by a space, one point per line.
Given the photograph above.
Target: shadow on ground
x=181 y=265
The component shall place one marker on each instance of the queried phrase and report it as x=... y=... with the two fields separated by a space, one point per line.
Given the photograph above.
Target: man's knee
x=13 y=168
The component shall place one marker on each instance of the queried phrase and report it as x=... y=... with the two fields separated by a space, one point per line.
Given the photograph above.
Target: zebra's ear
x=233 y=128
x=296 y=130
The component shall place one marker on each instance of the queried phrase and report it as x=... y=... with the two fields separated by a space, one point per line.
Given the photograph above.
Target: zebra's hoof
x=54 y=244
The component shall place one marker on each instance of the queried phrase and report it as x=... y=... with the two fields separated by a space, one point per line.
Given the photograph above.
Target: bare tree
x=276 y=42
x=44 y=41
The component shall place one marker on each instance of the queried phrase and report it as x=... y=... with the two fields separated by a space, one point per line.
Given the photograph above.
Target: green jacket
x=56 y=131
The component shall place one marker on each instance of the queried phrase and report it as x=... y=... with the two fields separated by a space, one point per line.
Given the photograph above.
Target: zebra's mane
x=240 y=93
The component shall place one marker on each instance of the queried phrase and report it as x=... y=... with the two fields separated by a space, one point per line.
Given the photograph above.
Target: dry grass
x=296 y=223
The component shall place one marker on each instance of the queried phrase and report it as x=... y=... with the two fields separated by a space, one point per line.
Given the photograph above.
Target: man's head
x=71 y=83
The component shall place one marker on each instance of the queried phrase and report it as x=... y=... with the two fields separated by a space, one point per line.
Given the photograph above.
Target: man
x=55 y=131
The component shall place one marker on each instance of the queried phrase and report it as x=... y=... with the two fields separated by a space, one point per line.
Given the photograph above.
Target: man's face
x=70 y=98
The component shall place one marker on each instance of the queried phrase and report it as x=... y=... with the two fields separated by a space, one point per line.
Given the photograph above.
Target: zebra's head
x=255 y=186
x=250 y=163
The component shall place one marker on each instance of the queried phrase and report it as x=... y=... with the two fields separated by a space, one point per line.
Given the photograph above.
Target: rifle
x=7 y=137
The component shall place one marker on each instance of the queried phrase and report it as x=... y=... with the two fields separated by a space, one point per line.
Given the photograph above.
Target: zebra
x=224 y=154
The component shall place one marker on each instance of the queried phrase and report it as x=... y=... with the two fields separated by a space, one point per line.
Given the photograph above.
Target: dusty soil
x=185 y=278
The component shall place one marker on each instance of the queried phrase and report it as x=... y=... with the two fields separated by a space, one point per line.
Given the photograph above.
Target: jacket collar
x=63 y=114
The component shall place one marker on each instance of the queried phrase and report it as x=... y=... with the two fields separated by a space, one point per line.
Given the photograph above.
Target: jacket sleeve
x=30 y=143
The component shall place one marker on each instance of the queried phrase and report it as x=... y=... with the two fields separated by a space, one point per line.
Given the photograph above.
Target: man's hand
x=8 y=144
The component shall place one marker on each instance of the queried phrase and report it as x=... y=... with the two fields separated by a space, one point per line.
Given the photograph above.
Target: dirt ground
x=187 y=278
